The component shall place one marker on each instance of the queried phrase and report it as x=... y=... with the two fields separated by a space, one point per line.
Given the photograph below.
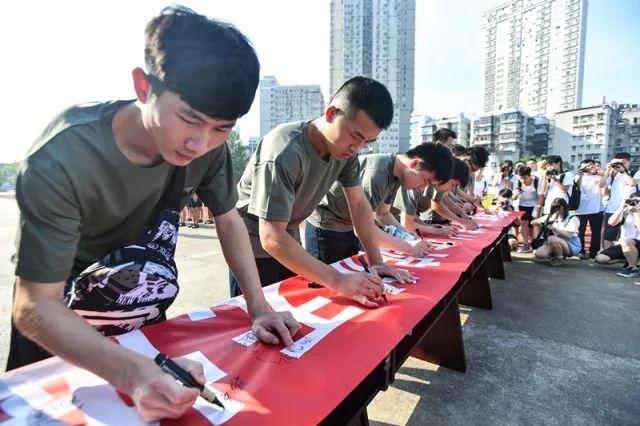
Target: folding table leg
x=443 y=344
x=476 y=292
x=505 y=249
x=361 y=419
x=495 y=267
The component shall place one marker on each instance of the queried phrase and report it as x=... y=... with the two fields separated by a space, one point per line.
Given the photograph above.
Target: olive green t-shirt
x=379 y=185
x=415 y=203
x=80 y=198
x=285 y=180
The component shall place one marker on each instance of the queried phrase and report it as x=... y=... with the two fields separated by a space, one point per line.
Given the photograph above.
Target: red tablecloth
x=340 y=344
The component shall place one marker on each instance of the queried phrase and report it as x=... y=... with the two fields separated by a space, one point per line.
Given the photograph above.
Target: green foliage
x=239 y=155
x=8 y=173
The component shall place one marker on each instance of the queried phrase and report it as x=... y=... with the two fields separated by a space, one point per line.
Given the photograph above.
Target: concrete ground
x=561 y=345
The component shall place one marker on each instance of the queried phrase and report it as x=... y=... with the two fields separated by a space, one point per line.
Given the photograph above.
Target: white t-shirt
x=590 y=195
x=554 y=191
x=501 y=182
x=529 y=195
x=514 y=181
x=571 y=224
x=629 y=229
x=479 y=187
x=620 y=191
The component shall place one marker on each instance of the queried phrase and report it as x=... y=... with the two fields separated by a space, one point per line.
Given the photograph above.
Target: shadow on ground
x=560 y=346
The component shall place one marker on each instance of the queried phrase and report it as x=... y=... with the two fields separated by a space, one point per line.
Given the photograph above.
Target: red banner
x=340 y=343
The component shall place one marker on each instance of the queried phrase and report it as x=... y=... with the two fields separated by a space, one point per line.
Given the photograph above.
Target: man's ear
x=414 y=164
x=141 y=84
x=330 y=113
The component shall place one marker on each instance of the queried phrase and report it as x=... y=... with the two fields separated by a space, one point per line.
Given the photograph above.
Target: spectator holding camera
x=528 y=191
x=556 y=183
x=502 y=179
x=618 y=185
x=627 y=215
x=505 y=204
x=589 y=210
x=560 y=232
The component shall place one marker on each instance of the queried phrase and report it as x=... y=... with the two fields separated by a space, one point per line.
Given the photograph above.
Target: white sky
x=57 y=53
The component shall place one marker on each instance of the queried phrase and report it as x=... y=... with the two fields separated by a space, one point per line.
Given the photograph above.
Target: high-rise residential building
x=538 y=136
x=423 y=127
x=586 y=133
x=511 y=135
x=534 y=56
x=376 y=38
x=282 y=104
x=631 y=118
x=351 y=41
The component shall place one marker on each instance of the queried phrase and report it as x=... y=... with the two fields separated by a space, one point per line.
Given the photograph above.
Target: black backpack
x=574 y=199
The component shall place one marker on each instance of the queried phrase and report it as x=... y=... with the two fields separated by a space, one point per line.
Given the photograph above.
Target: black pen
x=365 y=265
x=169 y=366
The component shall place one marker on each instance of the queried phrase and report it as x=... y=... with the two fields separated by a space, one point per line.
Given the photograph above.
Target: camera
x=552 y=172
x=617 y=165
x=633 y=202
x=504 y=169
x=584 y=170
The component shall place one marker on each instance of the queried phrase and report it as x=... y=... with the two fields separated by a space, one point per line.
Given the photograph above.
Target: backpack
x=574 y=198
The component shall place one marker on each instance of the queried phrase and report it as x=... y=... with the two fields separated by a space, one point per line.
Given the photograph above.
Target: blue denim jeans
x=270 y=271
x=330 y=246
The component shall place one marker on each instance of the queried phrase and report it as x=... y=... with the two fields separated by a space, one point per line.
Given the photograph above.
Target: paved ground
x=561 y=345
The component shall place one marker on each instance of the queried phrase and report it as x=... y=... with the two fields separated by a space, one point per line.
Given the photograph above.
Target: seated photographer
x=505 y=203
x=559 y=232
x=627 y=215
x=528 y=191
x=617 y=184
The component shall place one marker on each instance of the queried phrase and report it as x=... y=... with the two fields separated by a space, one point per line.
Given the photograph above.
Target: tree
x=239 y=156
x=8 y=174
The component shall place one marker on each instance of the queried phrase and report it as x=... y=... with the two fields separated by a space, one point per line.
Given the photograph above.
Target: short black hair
x=587 y=160
x=434 y=158
x=505 y=193
x=478 y=156
x=209 y=63
x=460 y=172
x=365 y=94
x=441 y=135
x=622 y=156
x=524 y=171
x=459 y=150
x=508 y=163
x=554 y=159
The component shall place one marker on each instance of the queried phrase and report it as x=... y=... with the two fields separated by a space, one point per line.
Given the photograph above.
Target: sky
x=56 y=54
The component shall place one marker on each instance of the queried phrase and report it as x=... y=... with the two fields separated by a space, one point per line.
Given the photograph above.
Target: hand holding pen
x=172 y=368
x=365 y=265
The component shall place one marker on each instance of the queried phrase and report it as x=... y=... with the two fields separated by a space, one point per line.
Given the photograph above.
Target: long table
x=342 y=357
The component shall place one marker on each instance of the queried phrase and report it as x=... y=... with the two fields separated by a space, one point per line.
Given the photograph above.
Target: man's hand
x=360 y=287
x=401 y=275
x=268 y=325
x=445 y=231
x=469 y=224
x=157 y=395
x=418 y=248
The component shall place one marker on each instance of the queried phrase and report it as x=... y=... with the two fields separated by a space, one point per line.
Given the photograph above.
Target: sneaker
x=526 y=248
x=585 y=256
x=630 y=273
x=181 y=224
x=209 y=221
x=195 y=225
